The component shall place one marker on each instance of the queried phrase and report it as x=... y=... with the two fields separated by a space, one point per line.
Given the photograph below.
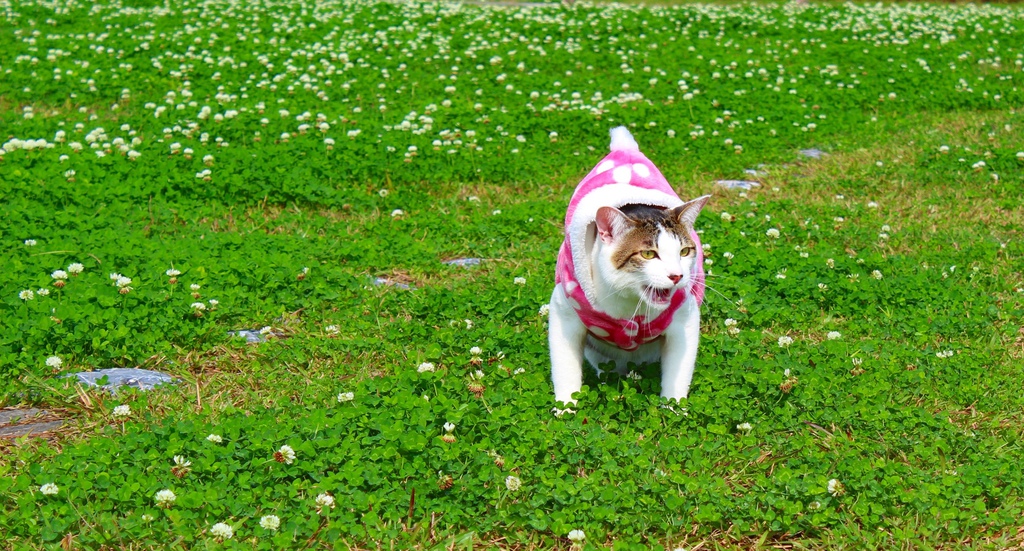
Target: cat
x=629 y=279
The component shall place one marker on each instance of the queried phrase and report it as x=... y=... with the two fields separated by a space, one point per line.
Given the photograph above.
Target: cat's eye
x=686 y=251
x=648 y=254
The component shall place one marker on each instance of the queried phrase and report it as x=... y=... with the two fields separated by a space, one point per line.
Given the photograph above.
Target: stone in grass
x=142 y=379
x=15 y=423
x=26 y=428
x=737 y=184
x=813 y=153
x=391 y=283
x=250 y=335
x=464 y=262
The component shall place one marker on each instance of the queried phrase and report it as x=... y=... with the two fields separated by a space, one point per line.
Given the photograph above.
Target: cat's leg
x=679 y=351
x=566 y=338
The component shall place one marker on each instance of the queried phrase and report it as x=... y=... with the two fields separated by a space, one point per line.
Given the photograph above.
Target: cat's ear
x=687 y=213
x=610 y=223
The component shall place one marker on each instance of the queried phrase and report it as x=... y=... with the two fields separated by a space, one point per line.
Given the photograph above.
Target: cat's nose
x=675 y=278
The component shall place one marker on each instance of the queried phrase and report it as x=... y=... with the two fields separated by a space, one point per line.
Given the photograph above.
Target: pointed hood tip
x=622 y=140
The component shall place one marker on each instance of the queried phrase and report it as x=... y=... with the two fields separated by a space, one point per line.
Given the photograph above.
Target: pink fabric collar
x=623 y=177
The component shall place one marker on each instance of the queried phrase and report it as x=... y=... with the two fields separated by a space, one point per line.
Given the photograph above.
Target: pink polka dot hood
x=623 y=177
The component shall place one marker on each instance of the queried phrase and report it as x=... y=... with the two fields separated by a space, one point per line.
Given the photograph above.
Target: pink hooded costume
x=624 y=177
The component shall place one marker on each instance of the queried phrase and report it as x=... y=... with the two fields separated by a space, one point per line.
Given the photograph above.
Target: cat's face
x=646 y=253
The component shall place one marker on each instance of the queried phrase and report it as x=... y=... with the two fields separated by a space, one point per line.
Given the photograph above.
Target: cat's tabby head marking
x=647 y=252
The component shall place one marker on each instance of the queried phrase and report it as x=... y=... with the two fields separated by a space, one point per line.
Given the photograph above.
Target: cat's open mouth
x=659 y=296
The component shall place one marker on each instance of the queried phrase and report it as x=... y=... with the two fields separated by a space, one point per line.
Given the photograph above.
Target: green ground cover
x=859 y=379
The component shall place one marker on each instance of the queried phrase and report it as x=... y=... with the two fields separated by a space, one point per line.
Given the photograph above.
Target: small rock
x=813 y=153
x=15 y=431
x=142 y=379
x=21 y=422
x=737 y=184
x=463 y=262
x=9 y=416
x=250 y=335
x=391 y=283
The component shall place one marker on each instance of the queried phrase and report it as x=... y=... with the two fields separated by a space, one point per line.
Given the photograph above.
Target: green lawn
x=353 y=147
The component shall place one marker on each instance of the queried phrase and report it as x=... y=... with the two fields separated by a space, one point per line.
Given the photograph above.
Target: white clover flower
x=519 y=281
x=785 y=341
x=577 y=536
x=449 y=427
x=194 y=286
x=198 y=306
x=833 y=335
x=729 y=322
x=831 y=263
x=424 y=367
x=27 y=294
x=173 y=273
x=513 y=483
x=215 y=438
x=75 y=268
x=519 y=370
x=123 y=281
x=475 y=351
x=59 y=274
x=49 y=489
x=469 y=323
x=43 y=292
x=213 y=303
x=270 y=522
x=872 y=205
x=54 y=362
x=180 y=461
x=146 y=517
x=332 y=329
x=164 y=498
x=836 y=488
x=325 y=500
x=397 y=212
x=545 y=309
x=123 y=410
x=346 y=396
x=876 y=274
x=222 y=531
x=745 y=427
x=285 y=454
x=30 y=242
x=773 y=233
x=726 y=216
x=266 y=330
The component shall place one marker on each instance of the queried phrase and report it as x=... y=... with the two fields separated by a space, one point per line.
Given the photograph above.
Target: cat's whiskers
x=727 y=299
x=639 y=302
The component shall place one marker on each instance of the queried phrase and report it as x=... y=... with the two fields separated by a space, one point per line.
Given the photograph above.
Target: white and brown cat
x=629 y=280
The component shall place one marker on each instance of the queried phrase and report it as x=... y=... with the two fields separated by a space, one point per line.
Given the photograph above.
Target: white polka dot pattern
x=622 y=174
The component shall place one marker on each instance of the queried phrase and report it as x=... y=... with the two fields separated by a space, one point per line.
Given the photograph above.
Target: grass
x=924 y=445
